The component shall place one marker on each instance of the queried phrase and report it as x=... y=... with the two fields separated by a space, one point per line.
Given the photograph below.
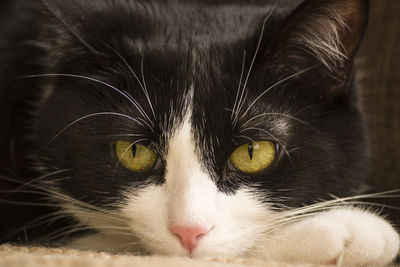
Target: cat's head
x=197 y=126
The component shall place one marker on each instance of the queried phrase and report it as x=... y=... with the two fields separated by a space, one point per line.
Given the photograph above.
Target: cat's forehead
x=203 y=93
x=204 y=26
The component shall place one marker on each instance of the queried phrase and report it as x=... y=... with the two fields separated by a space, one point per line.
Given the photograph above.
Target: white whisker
x=142 y=85
x=125 y=135
x=274 y=85
x=41 y=178
x=280 y=114
x=310 y=210
x=125 y=95
x=144 y=88
x=43 y=190
x=240 y=83
x=89 y=116
x=242 y=99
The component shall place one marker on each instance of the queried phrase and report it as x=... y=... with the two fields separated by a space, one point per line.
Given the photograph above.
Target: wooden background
x=379 y=62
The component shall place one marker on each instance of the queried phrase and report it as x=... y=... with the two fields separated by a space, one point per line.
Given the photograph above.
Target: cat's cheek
x=146 y=214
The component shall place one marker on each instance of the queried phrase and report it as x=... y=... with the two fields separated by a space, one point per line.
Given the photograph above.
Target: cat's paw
x=344 y=237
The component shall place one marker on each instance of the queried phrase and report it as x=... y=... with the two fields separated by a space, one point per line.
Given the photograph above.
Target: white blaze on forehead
x=191 y=190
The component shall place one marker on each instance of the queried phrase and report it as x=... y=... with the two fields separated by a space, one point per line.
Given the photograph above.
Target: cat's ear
x=325 y=33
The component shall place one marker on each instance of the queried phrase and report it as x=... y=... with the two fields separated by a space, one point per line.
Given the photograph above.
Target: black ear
x=323 y=33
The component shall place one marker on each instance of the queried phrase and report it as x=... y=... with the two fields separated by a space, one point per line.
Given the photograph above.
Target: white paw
x=343 y=237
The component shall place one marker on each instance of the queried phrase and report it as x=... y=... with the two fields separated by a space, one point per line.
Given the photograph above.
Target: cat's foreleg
x=343 y=236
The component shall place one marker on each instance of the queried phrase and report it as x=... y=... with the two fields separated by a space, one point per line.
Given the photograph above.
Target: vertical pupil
x=134 y=150
x=250 y=150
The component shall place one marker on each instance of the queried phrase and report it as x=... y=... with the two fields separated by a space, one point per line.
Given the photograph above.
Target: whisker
x=63 y=232
x=241 y=99
x=89 y=116
x=125 y=135
x=71 y=229
x=142 y=85
x=240 y=83
x=107 y=214
x=260 y=129
x=240 y=106
x=274 y=85
x=103 y=214
x=246 y=137
x=30 y=204
x=98 y=214
x=144 y=88
x=47 y=219
x=59 y=196
x=280 y=114
x=126 y=64
x=125 y=95
x=290 y=218
x=28 y=183
x=331 y=204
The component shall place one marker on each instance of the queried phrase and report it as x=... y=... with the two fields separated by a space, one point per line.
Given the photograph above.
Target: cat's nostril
x=189 y=236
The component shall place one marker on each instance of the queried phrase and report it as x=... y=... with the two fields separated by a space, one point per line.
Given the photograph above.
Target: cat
x=188 y=128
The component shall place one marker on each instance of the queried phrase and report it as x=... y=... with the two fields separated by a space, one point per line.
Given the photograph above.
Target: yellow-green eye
x=253 y=157
x=135 y=157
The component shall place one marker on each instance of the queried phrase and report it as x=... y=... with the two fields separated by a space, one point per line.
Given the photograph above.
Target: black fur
x=182 y=44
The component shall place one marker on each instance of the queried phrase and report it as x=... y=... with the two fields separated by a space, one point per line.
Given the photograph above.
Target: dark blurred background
x=379 y=65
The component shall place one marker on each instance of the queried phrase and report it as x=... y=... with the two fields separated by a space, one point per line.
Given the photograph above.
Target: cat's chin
x=101 y=242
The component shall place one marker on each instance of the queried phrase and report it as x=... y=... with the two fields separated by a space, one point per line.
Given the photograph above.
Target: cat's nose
x=189 y=236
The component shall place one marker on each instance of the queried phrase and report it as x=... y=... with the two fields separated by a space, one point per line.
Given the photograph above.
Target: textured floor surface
x=11 y=256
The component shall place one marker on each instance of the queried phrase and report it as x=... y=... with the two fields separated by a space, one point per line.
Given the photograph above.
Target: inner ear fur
x=322 y=33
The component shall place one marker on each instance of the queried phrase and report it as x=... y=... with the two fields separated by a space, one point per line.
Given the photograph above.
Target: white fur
x=342 y=236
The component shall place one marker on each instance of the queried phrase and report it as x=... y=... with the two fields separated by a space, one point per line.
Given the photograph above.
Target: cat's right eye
x=135 y=157
x=253 y=157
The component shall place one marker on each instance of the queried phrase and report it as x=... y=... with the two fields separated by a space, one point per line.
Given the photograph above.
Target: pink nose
x=189 y=236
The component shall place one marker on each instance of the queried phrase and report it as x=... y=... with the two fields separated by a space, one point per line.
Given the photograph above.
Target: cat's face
x=195 y=147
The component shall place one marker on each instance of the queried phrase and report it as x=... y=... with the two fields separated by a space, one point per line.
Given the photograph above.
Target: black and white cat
x=198 y=128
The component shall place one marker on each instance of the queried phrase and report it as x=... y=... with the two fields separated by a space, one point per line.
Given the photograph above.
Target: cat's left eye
x=135 y=157
x=253 y=157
